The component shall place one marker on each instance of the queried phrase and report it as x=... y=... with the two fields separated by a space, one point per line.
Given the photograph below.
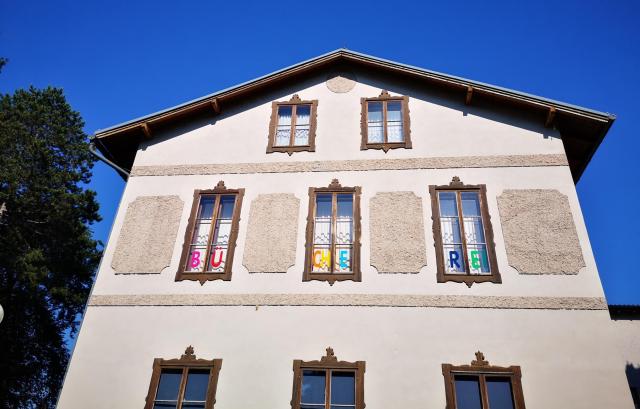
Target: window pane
x=169 y=385
x=450 y=229
x=226 y=207
x=473 y=229
x=303 y=112
x=394 y=121
x=453 y=259
x=375 y=131
x=344 y=223
x=206 y=207
x=313 y=387
x=323 y=205
x=200 y=237
x=283 y=129
x=478 y=259
x=303 y=125
x=284 y=114
x=470 y=203
x=193 y=405
x=500 y=393
x=301 y=136
x=448 y=204
x=344 y=233
x=467 y=392
x=343 y=388
x=321 y=259
x=345 y=205
x=322 y=234
x=343 y=259
x=222 y=233
x=283 y=136
x=197 y=382
x=164 y=405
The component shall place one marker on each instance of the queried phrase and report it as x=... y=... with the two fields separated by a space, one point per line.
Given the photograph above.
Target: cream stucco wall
x=439 y=127
x=561 y=353
x=585 y=284
x=568 y=357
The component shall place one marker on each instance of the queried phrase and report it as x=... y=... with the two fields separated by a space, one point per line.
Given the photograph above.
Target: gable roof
x=582 y=129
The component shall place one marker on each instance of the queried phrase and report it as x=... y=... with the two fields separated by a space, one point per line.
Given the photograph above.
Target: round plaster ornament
x=341 y=82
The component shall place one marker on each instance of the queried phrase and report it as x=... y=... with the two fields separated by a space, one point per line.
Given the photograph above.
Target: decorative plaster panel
x=347 y=300
x=497 y=161
x=539 y=233
x=341 y=82
x=397 y=233
x=148 y=235
x=271 y=236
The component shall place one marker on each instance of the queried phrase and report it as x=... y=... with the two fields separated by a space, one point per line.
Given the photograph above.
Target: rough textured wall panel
x=539 y=233
x=397 y=233
x=357 y=165
x=271 y=236
x=148 y=235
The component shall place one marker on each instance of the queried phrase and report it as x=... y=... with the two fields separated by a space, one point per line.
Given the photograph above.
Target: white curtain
x=283 y=131
x=303 y=114
x=375 y=130
x=394 y=122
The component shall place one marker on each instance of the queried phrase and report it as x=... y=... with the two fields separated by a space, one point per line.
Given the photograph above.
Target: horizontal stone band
x=348 y=300
x=355 y=165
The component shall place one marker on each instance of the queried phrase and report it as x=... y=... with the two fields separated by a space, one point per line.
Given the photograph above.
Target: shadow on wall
x=633 y=377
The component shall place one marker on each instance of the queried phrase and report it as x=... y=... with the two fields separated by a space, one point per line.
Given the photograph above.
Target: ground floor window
x=482 y=386
x=184 y=383
x=328 y=384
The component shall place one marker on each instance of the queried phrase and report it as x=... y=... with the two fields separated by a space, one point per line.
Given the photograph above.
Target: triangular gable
x=581 y=129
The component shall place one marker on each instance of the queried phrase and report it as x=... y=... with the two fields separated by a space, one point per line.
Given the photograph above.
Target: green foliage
x=47 y=255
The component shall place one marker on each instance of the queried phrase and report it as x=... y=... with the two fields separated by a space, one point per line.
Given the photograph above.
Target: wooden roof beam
x=215 y=105
x=550 y=117
x=467 y=100
x=146 y=130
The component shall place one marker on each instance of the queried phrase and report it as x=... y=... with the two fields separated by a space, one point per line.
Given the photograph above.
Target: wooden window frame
x=384 y=97
x=481 y=368
x=356 y=275
x=203 y=277
x=457 y=186
x=295 y=101
x=328 y=362
x=186 y=362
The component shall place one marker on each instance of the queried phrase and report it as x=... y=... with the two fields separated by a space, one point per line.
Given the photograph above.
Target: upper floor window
x=333 y=234
x=293 y=126
x=385 y=122
x=481 y=386
x=328 y=384
x=183 y=383
x=210 y=238
x=465 y=251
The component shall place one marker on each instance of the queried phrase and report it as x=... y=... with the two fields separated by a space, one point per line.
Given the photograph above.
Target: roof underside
x=582 y=129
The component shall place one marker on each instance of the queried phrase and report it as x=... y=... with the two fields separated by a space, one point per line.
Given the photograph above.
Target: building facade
x=351 y=231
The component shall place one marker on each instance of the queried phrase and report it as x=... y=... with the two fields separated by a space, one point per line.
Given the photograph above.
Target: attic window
x=385 y=122
x=293 y=126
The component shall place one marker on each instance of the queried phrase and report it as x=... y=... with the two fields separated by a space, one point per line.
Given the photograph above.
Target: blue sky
x=122 y=59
